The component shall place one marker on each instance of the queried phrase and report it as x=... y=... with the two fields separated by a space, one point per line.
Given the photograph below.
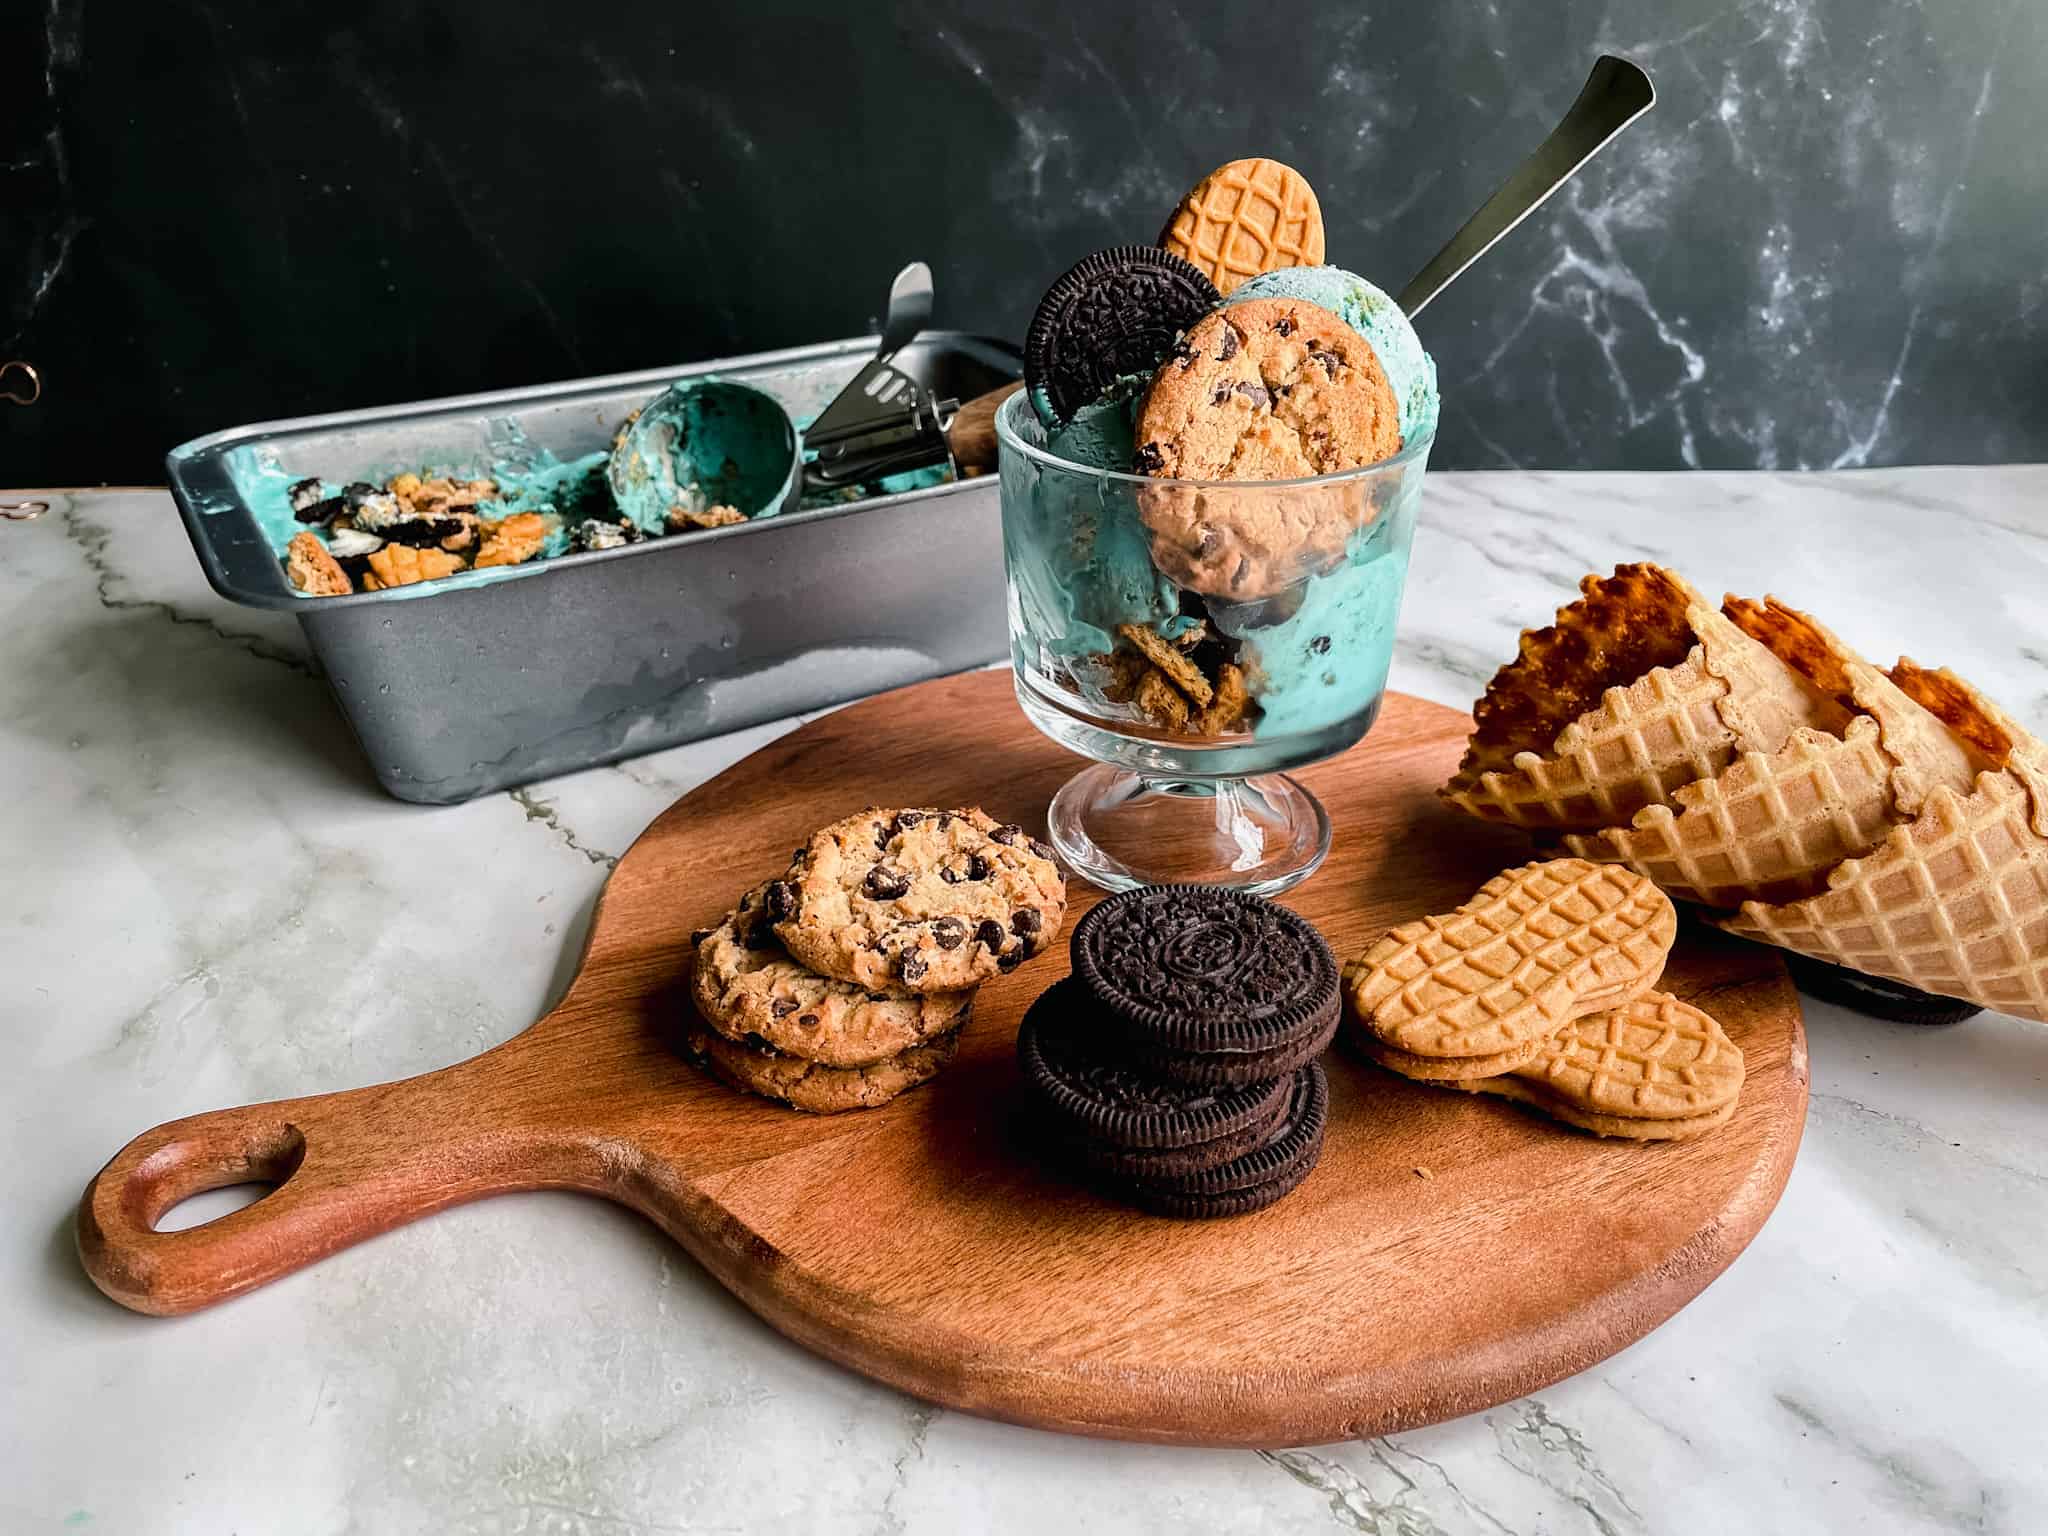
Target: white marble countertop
x=206 y=902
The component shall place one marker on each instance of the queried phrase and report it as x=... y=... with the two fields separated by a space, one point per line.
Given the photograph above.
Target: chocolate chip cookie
x=746 y=986
x=924 y=899
x=817 y=1089
x=1270 y=389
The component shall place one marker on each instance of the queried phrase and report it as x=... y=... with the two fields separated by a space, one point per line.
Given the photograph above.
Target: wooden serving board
x=1450 y=1252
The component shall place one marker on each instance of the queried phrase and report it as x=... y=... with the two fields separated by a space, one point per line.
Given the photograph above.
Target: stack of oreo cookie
x=1176 y=1068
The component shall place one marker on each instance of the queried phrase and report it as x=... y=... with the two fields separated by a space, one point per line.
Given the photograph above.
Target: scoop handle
x=972 y=436
x=1615 y=95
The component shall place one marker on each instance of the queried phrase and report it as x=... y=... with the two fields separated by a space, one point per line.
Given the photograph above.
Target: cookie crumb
x=684 y=519
x=400 y=565
x=312 y=569
x=512 y=540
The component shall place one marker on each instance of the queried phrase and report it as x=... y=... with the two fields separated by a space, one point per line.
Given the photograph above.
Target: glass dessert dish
x=1197 y=639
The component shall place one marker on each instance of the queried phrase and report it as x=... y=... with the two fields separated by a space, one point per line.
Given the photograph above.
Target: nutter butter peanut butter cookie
x=746 y=985
x=926 y=899
x=1244 y=218
x=1481 y=991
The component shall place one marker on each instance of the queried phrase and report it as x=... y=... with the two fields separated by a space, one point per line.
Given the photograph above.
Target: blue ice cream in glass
x=1194 y=687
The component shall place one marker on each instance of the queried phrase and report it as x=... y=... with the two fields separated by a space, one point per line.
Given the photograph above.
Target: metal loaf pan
x=473 y=685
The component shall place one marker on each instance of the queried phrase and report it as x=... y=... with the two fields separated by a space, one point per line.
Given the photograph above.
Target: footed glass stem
x=1117 y=829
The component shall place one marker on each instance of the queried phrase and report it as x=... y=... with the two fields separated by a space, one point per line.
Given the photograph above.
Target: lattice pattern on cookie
x=1251 y=216
x=1768 y=829
x=1535 y=948
x=1955 y=903
x=1655 y=1058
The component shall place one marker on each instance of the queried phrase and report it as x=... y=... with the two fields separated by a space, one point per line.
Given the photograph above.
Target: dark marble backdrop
x=1824 y=247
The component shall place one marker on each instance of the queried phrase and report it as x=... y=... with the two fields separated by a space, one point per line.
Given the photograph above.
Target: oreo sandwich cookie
x=1095 y=1107
x=1110 y=315
x=1206 y=985
x=1256 y=1179
x=1875 y=995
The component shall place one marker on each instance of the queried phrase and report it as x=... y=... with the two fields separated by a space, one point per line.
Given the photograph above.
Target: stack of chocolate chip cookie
x=1177 y=1066
x=846 y=981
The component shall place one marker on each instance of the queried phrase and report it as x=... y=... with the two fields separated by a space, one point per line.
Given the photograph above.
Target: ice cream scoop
x=1372 y=312
x=703 y=444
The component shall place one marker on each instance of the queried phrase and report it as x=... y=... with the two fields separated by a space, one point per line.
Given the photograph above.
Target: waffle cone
x=1638 y=689
x=1955 y=902
x=1772 y=825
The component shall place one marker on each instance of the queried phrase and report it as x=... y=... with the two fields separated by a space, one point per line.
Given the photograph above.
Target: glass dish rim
x=1020 y=400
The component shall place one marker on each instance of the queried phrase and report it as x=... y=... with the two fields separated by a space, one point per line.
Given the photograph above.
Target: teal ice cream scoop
x=701 y=444
x=1372 y=313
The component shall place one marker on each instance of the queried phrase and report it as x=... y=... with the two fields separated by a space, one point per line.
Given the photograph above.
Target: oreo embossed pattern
x=1176 y=1068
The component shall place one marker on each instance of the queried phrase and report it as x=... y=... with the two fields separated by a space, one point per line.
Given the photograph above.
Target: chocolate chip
x=950 y=875
x=949 y=932
x=945 y=820
x=882 y=832
x=908 y=819
x=1148 y=460
x=1026 y=923
x=977 y=867
x=760 y=936
x=1256 y=393
x=1010 y=959
x=1008 y=832
x=912 y=965
x=1320 y=645
x=1043 y=850
x=886 y=884
x=1183 y=353
x=1284 y=325
x=1231 y=342
x=808 y=1020
x=780 y=900
x=1330 y=361
x=1222 y=395
x=989 y=933
x=783 y=1007
x=699 y=935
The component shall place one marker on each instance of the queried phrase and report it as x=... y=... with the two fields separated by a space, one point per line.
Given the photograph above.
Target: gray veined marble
x=207 y=902
x=1823 y=249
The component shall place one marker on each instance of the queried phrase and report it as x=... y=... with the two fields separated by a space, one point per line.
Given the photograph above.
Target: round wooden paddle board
x=1448 y=1253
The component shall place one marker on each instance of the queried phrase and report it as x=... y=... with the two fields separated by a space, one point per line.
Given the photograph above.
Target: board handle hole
x=241 y=1172
x=207 y=1205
